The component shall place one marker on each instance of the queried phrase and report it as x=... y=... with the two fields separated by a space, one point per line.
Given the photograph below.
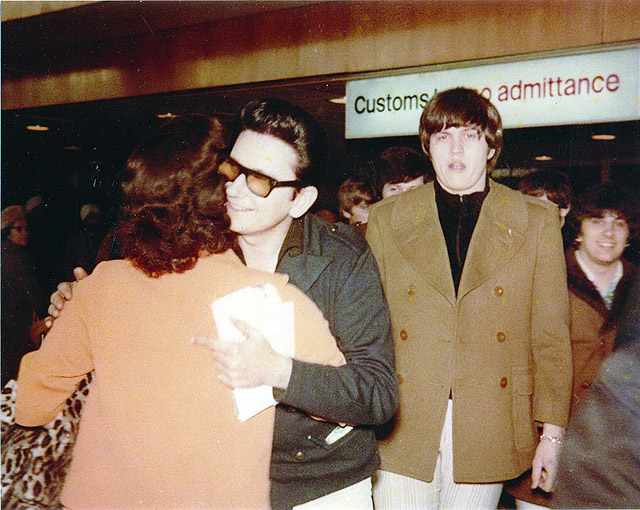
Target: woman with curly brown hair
x=159 y=429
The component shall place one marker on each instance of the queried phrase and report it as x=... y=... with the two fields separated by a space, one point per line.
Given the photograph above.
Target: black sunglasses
x=258 y=183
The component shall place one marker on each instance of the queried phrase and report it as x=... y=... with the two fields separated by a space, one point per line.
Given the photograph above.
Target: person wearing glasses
x=328 y=463
x=271 y=169
x=23 y=300
x=159 y=429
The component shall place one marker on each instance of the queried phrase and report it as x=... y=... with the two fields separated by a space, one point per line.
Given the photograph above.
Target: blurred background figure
x=601 y=225
x=550 y=185
x=83 y=244
x=46 y=242
x=24 y=302
x=327 y=215
x=399 y=169
x=354 y=199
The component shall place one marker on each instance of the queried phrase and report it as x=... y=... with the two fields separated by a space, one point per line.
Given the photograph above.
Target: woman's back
x=158 y=430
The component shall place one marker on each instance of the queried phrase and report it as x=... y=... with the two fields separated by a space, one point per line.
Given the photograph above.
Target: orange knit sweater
x=158 y=430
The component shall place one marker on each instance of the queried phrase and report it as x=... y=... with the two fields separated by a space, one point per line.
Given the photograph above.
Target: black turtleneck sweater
x=458 y=216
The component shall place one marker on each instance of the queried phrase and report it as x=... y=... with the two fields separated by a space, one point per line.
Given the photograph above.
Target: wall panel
x=322 y=38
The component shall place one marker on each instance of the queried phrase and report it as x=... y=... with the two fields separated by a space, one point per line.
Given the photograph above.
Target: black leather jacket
x=334 y=266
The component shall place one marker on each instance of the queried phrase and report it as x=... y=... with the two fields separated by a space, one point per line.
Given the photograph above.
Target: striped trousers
x=397 y=492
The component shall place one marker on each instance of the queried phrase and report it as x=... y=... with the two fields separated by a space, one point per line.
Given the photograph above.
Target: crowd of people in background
x=36 y=256
x=396 y=170
x=24 y=302
x=457 y=337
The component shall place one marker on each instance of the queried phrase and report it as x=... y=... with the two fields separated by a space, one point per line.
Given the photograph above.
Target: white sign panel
x=577 y=89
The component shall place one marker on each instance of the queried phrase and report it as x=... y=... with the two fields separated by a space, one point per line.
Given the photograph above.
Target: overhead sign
x=576 y=89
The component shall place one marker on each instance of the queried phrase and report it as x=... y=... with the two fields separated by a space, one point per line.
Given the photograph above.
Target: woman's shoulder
x=108 y=268
x=108 y=273
x=228 y=265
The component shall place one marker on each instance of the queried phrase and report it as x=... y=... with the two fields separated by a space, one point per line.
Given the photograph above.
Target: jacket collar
x=498 y=235
x=583 y=288
x=301 y=254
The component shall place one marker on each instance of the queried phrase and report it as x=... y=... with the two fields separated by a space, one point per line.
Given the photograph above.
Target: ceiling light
x=603 y=137
x=167 y=115
x=339 y=100
x=38 y=127
x=543 y=158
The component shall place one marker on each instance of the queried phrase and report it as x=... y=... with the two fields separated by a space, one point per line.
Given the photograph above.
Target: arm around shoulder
x=50 y=375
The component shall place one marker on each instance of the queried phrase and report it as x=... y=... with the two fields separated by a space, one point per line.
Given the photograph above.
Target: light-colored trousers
x=355 y=497
x=525 y=505
x=397 y=492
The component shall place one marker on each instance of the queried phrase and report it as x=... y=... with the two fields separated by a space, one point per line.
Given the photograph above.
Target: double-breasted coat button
x=403 y=334
x=498 y=291
x=501 y=337
x=412 y=290
x=300 y=455
x=400 y=378
x=503 y=382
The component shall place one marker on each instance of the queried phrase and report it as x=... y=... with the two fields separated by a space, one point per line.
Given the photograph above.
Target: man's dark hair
x=596 y=201
x=291 y=124
x=462 y=107
x=173 y=203
x=399 y=164
x=550 y=182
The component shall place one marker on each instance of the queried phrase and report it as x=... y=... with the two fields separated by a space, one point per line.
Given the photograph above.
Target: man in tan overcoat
x=475 y=278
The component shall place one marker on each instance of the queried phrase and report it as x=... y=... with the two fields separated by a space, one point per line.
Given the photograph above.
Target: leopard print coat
x=35 y=460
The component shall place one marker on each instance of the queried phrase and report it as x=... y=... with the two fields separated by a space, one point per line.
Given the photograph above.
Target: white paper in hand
x=259 y=306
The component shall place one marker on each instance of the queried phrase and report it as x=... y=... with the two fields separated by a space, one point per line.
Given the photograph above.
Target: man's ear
x=303 y=202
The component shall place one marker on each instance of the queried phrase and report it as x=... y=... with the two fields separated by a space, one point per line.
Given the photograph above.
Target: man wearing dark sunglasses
x=324 y=449
x=315 y=464
x=257 y=182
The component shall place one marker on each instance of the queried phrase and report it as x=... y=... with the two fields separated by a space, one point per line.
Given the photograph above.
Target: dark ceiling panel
x=110 y=20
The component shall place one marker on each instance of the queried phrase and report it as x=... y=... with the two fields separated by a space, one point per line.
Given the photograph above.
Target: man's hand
x=38 y=330
x=63 y=294
x=250 y=363
x=545 y=461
